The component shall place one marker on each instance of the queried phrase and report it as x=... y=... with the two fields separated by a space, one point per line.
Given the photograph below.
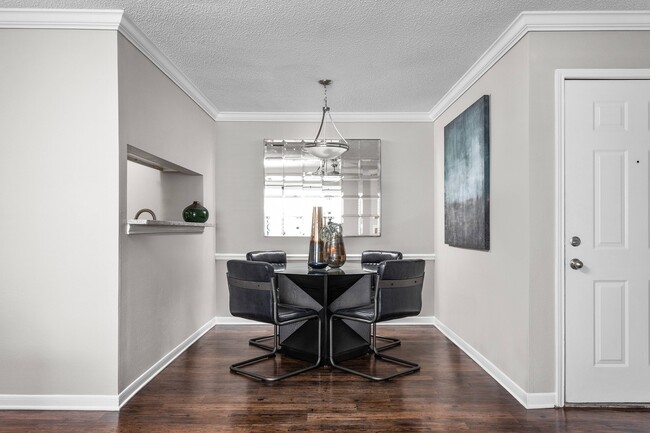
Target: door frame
x=561 y=76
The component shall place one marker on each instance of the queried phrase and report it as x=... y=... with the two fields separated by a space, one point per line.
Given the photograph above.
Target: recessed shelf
x=136 y=227
x=150 y=160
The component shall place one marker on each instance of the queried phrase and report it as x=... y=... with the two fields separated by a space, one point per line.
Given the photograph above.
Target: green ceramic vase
x=195 y=213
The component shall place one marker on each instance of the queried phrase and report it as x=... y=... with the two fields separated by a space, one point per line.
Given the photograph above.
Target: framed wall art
x=467 y=178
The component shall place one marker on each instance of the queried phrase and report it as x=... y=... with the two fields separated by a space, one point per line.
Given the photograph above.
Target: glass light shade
x=326 y=150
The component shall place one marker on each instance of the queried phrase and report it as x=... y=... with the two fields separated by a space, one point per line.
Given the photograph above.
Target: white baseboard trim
x=100 y=402
x=539 y=400
x=145 y=377
x=418 y=320
x=59 y=402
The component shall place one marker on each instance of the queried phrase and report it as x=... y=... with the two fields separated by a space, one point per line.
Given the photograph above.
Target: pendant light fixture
x=325 y=148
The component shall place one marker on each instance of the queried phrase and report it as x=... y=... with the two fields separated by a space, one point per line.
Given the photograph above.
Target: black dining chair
x=253 y=296
x=398 y=294
x=277 y=259
x=370 y=259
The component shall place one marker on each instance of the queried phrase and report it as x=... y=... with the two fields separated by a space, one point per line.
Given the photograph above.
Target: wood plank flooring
x=197 y=394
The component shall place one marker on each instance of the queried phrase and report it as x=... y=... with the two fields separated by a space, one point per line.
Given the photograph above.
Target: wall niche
x=163 y=187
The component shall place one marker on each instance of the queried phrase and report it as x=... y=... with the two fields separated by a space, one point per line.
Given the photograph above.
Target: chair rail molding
x=303 y=257
x=105 y=19
x=555 y=21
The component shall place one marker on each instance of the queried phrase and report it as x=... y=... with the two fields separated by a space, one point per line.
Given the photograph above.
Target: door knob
x=576 y=264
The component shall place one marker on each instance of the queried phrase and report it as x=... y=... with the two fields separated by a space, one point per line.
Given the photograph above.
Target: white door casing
x=607 y=327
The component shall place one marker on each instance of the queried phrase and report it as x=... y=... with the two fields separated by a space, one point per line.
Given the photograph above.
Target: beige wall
x=167 y=280
x=503 y=302
x=483 y=296
x=407 y=192
x=59 y=177
x=548 y=52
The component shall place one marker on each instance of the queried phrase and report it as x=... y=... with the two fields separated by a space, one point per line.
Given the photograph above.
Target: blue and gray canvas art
x=467 y=178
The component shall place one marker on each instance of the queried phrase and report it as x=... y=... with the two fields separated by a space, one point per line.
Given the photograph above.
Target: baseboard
x=539 y=400
x=418 y=320
x=59 y=402
x=141 y=381
x=100 y=402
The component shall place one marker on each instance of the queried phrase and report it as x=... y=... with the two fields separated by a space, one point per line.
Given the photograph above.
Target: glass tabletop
x=347 y=269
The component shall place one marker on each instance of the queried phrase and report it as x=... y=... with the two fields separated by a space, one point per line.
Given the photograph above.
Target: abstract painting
x=467 y=178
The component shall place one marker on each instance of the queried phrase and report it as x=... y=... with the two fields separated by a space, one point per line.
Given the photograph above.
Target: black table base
x=325 y=292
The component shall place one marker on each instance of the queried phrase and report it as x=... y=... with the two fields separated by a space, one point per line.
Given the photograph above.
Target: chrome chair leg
x=412 y=366
x=238 y=367
x=257 y=341
x=393 y=342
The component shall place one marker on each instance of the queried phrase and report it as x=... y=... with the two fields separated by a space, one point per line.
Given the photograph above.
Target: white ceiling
x=267 y=55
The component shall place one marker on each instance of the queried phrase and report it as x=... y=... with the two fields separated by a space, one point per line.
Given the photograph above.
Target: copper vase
x=316 y=258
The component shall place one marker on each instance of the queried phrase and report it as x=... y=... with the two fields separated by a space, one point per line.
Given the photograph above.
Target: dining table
x=325 y=290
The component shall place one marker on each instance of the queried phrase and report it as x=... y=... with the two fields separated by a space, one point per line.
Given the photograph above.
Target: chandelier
x=325 y=148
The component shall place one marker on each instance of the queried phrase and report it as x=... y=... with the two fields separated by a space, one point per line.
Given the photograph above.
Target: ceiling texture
x=268 y=55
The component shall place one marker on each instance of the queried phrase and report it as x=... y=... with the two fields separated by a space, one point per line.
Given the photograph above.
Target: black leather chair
x=253 y=296
x=277 y=259
x=370 y=259
x=398 y=294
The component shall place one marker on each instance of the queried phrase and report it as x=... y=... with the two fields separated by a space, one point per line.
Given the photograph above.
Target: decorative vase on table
x=316 y=258
x=334 y=247
x=195 y=213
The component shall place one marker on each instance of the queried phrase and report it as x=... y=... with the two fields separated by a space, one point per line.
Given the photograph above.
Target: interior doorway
x=604 y=240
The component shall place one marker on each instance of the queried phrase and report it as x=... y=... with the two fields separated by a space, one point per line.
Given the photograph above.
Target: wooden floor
x=197 y=393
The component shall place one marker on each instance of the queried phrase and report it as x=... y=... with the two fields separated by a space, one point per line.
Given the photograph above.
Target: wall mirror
x=348 y=188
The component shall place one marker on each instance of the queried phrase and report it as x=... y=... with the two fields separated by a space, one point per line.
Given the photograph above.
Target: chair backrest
x=277 y=258
x=371 y=257
x=252 y=290
x=399 y=289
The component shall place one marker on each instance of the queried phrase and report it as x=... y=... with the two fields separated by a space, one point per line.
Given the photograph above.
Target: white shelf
x=137 y=227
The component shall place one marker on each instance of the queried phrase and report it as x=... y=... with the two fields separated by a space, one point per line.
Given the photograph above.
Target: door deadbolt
x=575 y=241
x=576 y=264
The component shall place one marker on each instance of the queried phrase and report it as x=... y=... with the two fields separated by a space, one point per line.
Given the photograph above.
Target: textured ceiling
x=267 y=55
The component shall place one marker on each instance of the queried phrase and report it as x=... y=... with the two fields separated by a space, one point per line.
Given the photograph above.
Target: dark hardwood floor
x=197 y=393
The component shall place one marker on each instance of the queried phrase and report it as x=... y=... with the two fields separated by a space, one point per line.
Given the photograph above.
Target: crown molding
x=566 y=21
x=73 y=19
x=109 y=19
x=339 y=117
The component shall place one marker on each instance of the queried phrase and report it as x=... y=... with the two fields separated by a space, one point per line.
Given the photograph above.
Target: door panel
x=611 y=322
x=610 y=172
x=607 y=145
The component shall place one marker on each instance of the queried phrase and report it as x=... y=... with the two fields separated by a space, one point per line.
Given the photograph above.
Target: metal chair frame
x=257 y=341
x=392 y=342
x=412 y=366
x=238 y=366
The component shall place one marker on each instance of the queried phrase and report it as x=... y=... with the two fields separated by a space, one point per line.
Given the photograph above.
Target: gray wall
x=407 y=192
x=502 y=302
x=60 y=200
x=483 y=296
x=548 y=52
x=167 y=280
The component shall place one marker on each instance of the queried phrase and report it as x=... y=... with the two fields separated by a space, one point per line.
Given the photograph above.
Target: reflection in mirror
x=348 y=188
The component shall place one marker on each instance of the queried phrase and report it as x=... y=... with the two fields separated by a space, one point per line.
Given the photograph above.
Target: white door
x=607 y=152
